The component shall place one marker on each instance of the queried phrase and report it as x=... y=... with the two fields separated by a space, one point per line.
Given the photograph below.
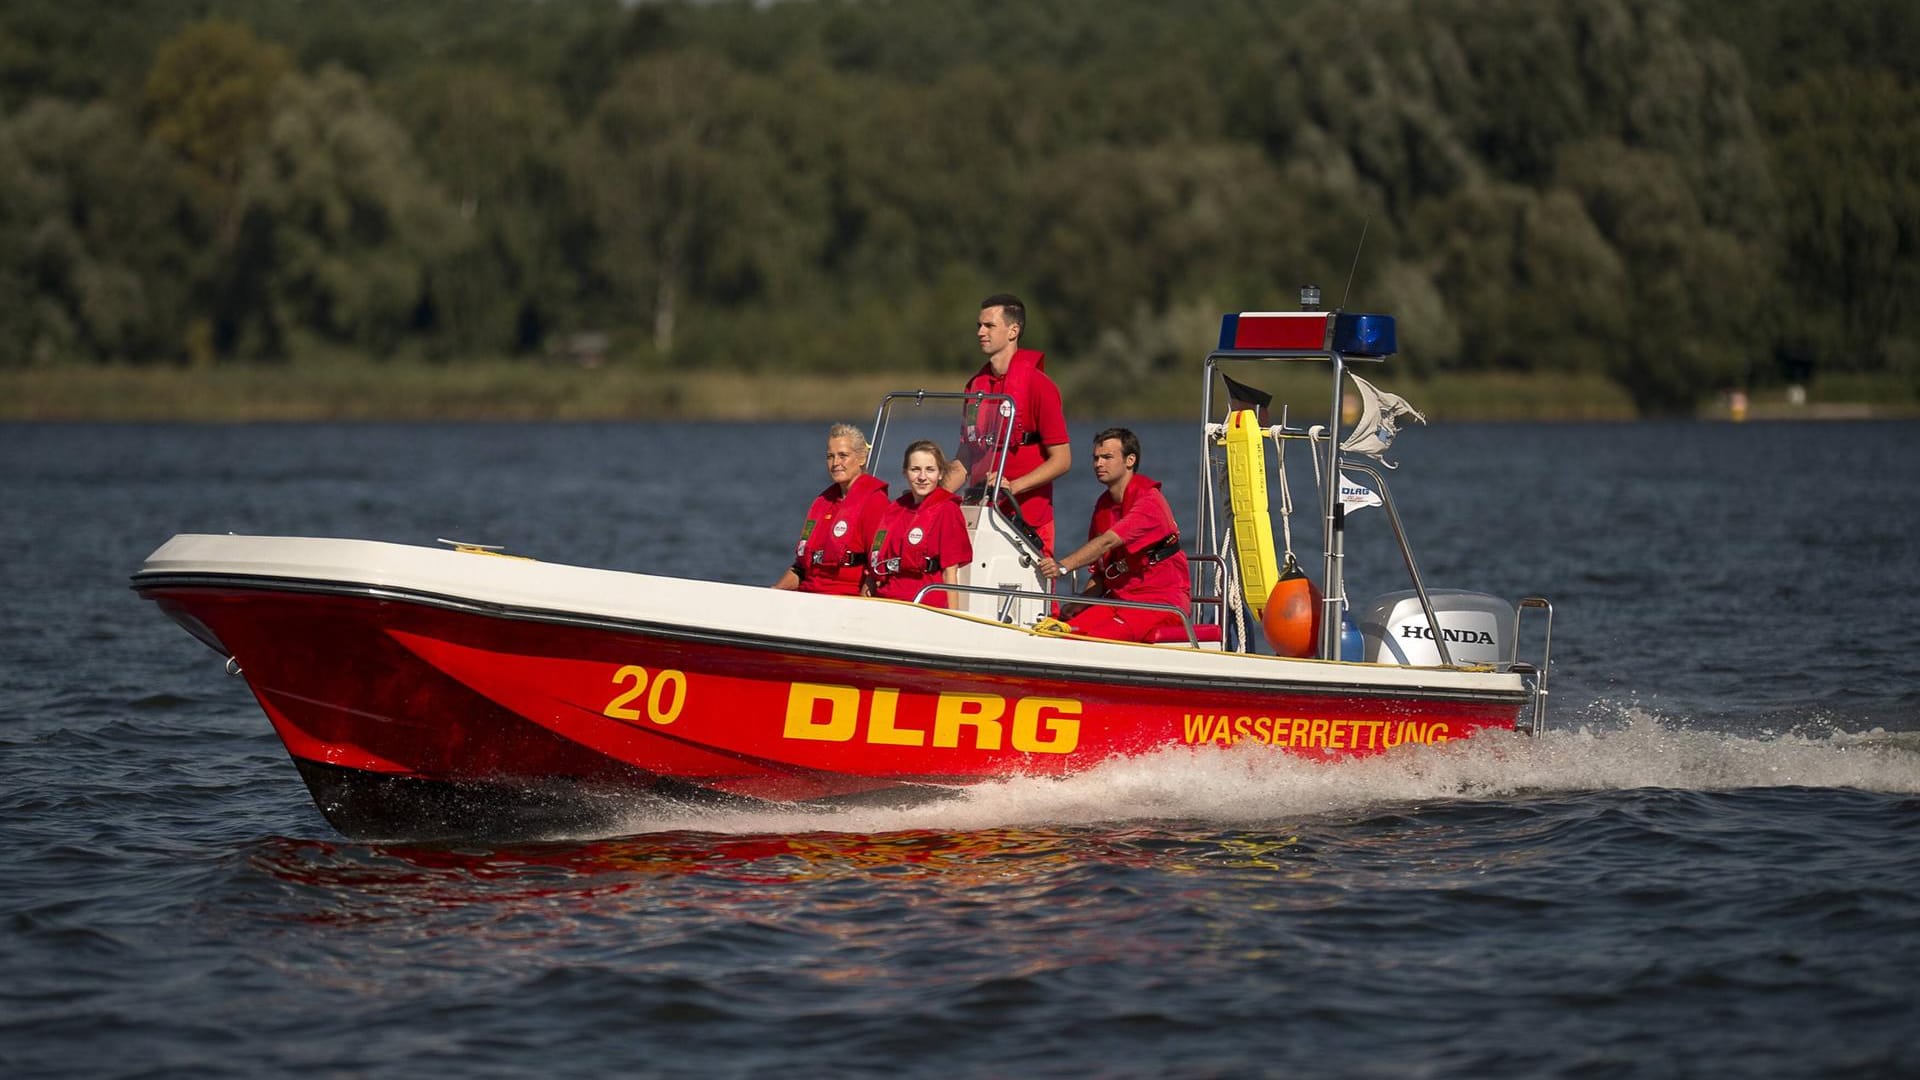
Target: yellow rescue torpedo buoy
x=1247 y=491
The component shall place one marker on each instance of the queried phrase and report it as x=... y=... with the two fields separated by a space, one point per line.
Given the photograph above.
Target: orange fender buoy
x=1292 y=618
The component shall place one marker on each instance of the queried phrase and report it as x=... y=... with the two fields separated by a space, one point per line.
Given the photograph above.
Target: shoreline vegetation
x=1688 y=196
x=511 y=391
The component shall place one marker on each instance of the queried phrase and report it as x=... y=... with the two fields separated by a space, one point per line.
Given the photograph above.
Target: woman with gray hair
x=832 y=553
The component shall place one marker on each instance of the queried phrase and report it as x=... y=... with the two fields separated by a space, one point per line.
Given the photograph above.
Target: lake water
x=1707 y=866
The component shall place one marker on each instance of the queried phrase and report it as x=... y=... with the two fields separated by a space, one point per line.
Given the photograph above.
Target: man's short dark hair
x=1129 y=443
x=1010 y=306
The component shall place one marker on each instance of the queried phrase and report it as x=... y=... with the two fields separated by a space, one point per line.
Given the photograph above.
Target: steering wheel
x=1003 y=499
x=1008 y=505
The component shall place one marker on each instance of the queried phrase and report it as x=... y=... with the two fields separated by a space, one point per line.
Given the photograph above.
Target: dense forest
x=1682 y=195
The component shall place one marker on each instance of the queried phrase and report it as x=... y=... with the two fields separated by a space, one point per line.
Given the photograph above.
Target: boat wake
x=1249 y=785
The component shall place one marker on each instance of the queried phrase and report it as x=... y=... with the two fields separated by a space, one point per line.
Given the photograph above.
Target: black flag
x=1241 y=396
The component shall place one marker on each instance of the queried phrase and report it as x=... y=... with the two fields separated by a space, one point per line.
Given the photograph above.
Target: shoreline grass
x=535 y=391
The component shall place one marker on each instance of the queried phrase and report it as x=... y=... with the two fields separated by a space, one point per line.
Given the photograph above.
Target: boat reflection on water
x=977 y=920
x=399 y=880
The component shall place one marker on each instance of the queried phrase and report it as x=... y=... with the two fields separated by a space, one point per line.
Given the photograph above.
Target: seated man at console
x=1132 y=548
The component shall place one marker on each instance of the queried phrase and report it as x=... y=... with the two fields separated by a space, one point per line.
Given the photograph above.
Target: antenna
x=1356 y=261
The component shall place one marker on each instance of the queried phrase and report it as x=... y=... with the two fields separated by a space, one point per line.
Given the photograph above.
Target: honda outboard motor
x=1474 y=625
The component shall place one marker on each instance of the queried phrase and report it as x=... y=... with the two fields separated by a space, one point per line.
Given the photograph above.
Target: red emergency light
x=1274 y=330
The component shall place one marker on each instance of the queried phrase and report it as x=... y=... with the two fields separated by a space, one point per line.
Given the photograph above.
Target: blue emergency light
x=1369 y=336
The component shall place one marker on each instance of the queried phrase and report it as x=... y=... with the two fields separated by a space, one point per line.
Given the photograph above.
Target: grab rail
x=1030 y=594
x=1406 y=552
x=1219 y=576
x=1546 y=656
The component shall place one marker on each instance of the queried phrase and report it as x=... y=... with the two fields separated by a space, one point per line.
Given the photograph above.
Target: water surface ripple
x=1709 y=866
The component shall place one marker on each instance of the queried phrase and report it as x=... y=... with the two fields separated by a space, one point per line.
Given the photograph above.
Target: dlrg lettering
x=828 y=713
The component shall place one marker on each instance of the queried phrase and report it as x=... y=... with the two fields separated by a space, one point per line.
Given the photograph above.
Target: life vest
x=832 y=552
x=900 y=563
x=1138 y=575
x=982 y=432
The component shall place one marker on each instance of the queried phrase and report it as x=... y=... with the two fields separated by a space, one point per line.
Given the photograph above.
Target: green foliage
x=1678 y=195
x=95 y=235
x=343 y=222
x=1119 y=236
x=1528 y=279
x=689 y=168
x=210 y=95
x=1853 y=220
x=1699 y=285
x=502 y=281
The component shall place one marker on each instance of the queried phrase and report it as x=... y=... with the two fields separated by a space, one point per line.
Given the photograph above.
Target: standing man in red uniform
x=1041 y=450
x=832 y=553
x=1133 y=548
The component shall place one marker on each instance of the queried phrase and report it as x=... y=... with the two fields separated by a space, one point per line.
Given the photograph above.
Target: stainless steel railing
x=1031 y=594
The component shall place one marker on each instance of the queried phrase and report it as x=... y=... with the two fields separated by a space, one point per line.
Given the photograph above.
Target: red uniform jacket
x=832 y=553
x=1039 y=421
x=916 y=544
x=1148 y=565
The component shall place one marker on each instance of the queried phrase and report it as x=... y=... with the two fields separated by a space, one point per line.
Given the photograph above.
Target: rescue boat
x=445 y=692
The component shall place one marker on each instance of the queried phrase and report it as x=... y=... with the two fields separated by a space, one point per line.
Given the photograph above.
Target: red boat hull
x=422 y=716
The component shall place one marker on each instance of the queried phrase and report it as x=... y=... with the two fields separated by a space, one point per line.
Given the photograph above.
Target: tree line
x=1683 y=195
